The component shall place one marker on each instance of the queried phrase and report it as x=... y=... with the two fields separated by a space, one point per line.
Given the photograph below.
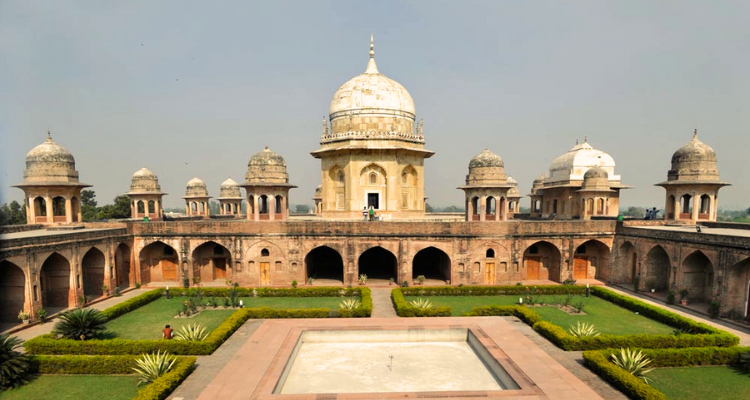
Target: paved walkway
x=45 y=328
x=382 y=306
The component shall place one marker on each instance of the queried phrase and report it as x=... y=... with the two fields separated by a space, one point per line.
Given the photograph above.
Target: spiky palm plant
x=81 y=324
x=14 y=366
x=634 y=362
x=350 y=304
x=151 y=366
x=191 y=333
x=583 y=330
x=421 y=303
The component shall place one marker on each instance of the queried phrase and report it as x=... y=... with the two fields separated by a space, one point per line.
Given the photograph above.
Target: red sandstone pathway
x=382 y=306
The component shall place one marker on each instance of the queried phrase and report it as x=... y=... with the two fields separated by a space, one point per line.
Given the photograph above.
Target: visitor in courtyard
x=372 y=213
x=168 y=332
x=364 y=212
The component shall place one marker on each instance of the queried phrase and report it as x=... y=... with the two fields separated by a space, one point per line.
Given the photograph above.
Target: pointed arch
x=541 y=261
x=627 y=263
x=433 y=263
x=211 y=260
x=591 y=260
x=159 y=263
x=698 y=276
x=92 y=267
x=122 y=265
x=738 y=293
x=12 y=291
x=325 y=264
x=55 y=277
x=378 y=263
x=658 y=268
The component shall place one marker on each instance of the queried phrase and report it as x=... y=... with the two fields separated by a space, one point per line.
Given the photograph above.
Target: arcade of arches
x=93 y=273
x=324 y=263
x=12 y=291
x=159 y=263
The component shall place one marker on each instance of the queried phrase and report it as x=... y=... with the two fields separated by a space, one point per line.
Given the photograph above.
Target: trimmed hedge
x=703 y=335
x=404 y=309
x=489 y=290
x=47 y=344
x=119 y=365
x=323 y=291
x=628 y=384
x=599 y=362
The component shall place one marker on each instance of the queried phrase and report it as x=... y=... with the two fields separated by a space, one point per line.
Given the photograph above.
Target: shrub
x=421 y=279
x=404 y=309
x=362 y=279
x=713 y=309
x=628 y=384
x=192 y=333
x=633 y=362
x=14 y=366
x=350 y=304
x=744 y=361
x=23 y=315
x=42 y=314
x=670 y=297
x=132 y=304
x=152 y=366
x=137 y=285
x=81 y=324
x=167 y=383
x=421 y=303
x=491 y=290
x=294 y=283
x=583 y=330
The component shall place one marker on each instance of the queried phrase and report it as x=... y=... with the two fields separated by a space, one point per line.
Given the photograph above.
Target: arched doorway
x=92 y=266
x=378 y=264
x=55 y=283
x=122 y=265
x=627 y=262
x=159 y=263
x=591 y=260
x=738 y=293
x=698 y=277
x=12 y=292
x=324 y=264
x=210 y=261
x=657 y=269
x=433 y=263
x=541 y=261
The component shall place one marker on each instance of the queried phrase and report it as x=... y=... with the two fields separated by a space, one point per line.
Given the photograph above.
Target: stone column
x=50 y=213
x=482 y=208
x=256 y=212
x=271 y=207
x=30 y=211
x=696 y=208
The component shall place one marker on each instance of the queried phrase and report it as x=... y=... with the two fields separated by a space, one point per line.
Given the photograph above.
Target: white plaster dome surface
x=229 y=189
x=372 y=91
x=574 y=164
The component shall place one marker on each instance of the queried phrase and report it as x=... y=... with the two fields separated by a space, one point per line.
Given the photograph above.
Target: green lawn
x=148 y=321
x=715 y=383
x=76 y=387
x=606 y=317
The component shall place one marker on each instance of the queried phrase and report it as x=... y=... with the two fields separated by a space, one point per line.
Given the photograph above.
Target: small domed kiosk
x=692 y=183
x=230 y=198
x=51 y=187
x=318 y=199
x=486 y=188
x=145 y=195
x=196 y=199
x=267 y=186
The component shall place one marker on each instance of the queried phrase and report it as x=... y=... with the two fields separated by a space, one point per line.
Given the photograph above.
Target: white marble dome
x=372 y=91
x=574 y=164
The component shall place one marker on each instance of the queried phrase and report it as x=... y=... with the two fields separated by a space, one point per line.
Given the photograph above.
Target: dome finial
x=49 y=136
x=372 y=68
x=695 y=134
x=585 y=139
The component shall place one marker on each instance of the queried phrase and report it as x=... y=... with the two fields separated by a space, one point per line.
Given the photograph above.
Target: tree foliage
x=302 y=209
x=14 y=366
x=120 y=209
x=13 y=213
x=88 y=205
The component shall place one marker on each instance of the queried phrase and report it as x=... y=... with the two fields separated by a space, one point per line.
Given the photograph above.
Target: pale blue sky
x=188 y=88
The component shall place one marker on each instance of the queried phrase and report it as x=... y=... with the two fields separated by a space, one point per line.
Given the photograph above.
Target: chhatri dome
x=266 y=166
x=230 y=190
x=572 y=165
x=144 y=181
x=694 y=161
x=487 y=168
x=50 y=162
x=196 y=188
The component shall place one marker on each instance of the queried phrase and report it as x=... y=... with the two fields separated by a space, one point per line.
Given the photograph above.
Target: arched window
x=373 y=178
x=141 y=209
x=277 y=206
x=151 y=206
x=404 y=178
x=264 y=253
x=490 y=253
x=341 y=177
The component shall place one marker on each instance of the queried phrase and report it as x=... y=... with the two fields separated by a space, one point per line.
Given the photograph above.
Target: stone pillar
x=50 y=213
x=482 y=208
x=255 y=208
x=696 y=208
x=30 y=211
x=271 y=207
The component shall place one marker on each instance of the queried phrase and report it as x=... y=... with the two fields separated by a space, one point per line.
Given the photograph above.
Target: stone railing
x=332 y=137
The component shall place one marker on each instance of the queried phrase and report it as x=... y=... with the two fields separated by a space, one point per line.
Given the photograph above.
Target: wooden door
x=533 y=265
x=168 y=270
x=265 y=273
x=489 y=273
x=580 y=268
x=220 y=268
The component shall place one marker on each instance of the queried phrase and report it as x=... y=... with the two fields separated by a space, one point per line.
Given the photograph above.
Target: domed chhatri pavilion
x=196 y=198
x=267 y=186
x=564 y=194
x=693 y=183
x=230 y=198
x=373 y=154
x=487 y=188
x=145 y=195
x=52 y=191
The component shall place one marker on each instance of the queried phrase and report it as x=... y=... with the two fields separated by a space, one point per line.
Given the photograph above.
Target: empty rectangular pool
x=373 y=361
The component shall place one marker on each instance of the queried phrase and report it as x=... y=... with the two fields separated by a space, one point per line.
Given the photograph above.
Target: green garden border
x=599 y=362
x=47 y=344
x=159 y=389
x=699 y=334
